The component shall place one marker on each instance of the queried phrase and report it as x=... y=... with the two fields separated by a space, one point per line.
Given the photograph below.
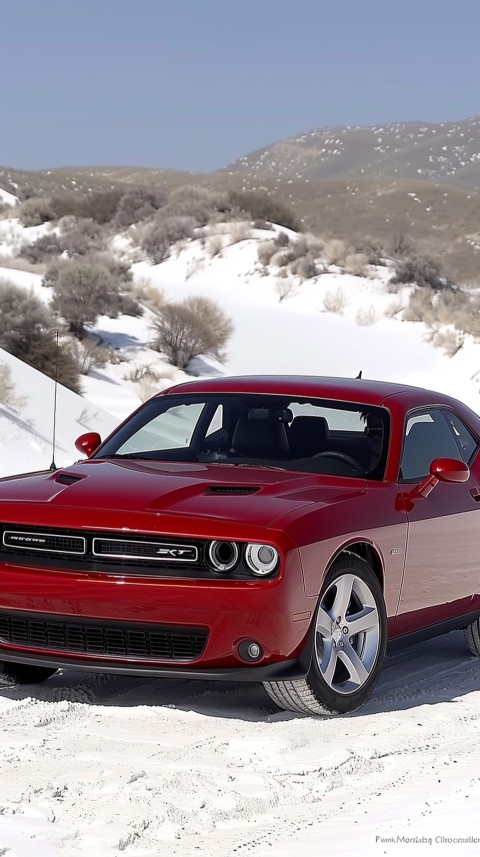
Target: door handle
x=475 y=492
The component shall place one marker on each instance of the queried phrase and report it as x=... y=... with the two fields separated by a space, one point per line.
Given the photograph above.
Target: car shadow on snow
x=439 y=670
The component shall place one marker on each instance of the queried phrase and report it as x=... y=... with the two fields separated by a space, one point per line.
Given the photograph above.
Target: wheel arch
x=364 y=550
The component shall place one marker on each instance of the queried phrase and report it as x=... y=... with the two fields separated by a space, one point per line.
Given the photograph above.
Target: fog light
x=222 y=556
x=261 y=559
x=250 y=650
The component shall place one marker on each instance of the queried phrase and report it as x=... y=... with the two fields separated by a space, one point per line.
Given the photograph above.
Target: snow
x=26 y=429
x=7 y=198
x=99 y=766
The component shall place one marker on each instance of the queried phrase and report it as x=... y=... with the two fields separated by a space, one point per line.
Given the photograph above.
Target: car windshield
x=311 y=435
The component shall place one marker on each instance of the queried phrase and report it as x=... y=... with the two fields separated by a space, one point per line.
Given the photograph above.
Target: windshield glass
x=311 y=435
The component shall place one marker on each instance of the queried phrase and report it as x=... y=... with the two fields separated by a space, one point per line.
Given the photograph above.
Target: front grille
x=103 y=639
x=98 y=551
x=120 y=548
x=44 y=542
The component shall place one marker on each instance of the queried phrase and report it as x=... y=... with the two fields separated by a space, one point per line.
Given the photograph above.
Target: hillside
x=422 y=179
x=403 y=150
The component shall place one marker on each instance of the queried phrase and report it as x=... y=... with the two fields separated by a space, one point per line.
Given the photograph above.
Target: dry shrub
x=366 y=317
x=285 y=289
x=186 y=330
x=36 y=211
x=265 y=251
x=335 y=302
x=372 y=248
x=450 y=341
x=153 y=297
x=214 y=246
x=356 y=264
x=422 y=270
x=88 y=354
x=163 y=233
x=240 y=231
x=8 y=395
x=304 y=267
x=335 y=252
x=420 y=306
x=394 y=308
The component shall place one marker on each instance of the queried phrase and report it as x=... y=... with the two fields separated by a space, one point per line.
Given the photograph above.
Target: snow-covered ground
x=102 y=766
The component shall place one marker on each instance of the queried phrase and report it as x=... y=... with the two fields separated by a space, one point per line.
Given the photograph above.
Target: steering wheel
x=341 y=456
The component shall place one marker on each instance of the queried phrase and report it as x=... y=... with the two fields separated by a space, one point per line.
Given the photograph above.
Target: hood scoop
x=232 y=489
x=67 y=478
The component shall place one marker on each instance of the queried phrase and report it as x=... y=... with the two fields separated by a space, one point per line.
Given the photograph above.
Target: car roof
x=343 y=389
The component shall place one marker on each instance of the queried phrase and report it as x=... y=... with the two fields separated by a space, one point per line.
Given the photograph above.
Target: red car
x=273 y=529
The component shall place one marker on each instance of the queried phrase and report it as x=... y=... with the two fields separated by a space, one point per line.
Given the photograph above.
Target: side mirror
x=450 y=470
x=88 y=443
x=443 y=470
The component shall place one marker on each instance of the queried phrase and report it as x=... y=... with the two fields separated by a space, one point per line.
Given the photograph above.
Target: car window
x=311 y=435
x=171 y=429
x=466 y=443
x=427 y=436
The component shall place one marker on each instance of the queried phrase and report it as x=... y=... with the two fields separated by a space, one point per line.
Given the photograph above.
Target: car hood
x=247 y=494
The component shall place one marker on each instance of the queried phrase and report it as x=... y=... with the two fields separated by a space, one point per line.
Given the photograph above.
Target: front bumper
x=275 y=613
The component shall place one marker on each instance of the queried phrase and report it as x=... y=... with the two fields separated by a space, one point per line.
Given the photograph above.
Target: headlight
x=222 y=556
x=261 y=559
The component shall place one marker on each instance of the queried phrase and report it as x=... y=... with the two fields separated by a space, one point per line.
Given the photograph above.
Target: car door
x=442 y=558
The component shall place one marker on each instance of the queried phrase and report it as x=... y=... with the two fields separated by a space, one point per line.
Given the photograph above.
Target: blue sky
x=192 y=85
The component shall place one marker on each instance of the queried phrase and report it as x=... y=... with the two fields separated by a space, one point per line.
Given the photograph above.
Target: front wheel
x=472 y=637
x=349 y=647
x=12 y=674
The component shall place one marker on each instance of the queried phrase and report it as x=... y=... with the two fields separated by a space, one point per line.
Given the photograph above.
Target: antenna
x=53 y=466
x=357 y=378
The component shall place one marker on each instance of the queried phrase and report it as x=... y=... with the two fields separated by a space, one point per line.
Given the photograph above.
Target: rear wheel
x=349 y=646
x=12 y=674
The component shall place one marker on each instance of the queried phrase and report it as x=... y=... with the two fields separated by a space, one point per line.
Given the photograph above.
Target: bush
x=421 y=270
x=7 y=387
x=27 y=330
x=335 y=302
x=138 y=204
x=83 y=290
x=101 y=206
x=43 y=356
x=88 y=355
x=240 y=231
x=186 y=330
x=335 y=252
x=304 y=267
x=372 y=249
x=281 y=239
x=356 y=264
x=47 y=245
x=366 y=317
x=265 y=251
x=22 y=315
x=36 y=211
x=420 y=306
x=82 y=236
x=197 y=202
x=163 y=234
x=260 y=205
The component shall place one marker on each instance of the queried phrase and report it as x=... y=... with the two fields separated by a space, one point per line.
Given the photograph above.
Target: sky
x=194 y=84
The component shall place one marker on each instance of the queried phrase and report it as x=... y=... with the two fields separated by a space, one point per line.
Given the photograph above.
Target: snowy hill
x=26 y=429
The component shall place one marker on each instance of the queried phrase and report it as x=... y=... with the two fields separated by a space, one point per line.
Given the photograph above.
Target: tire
x=12 y=674
x=472 y=637
x=347 y=657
